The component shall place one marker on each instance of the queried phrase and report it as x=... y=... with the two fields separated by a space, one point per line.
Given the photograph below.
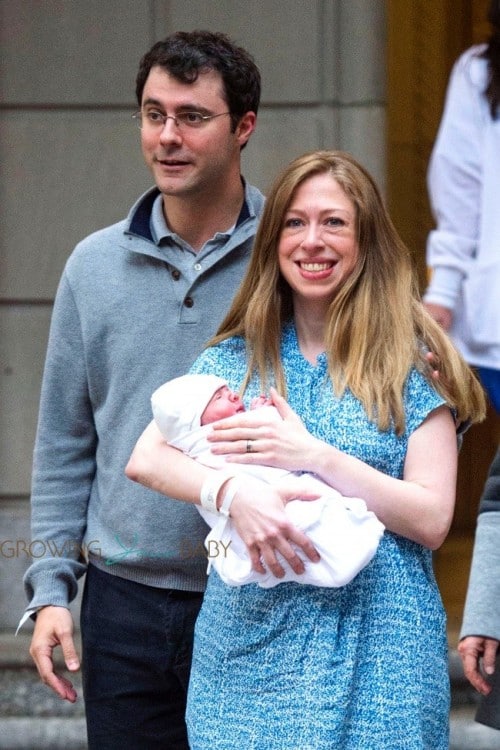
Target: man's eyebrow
x=150 y=101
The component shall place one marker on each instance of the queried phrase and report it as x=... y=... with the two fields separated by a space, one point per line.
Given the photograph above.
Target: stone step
x=30 y=733
x=39 y=733
x=467 y=734
x=50 y=733
x=32 y=718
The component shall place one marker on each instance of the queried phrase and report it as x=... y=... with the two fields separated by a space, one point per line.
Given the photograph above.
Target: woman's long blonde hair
x=376 y=327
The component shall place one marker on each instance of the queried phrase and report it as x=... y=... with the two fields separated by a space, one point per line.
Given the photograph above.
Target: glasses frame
x=141 y=118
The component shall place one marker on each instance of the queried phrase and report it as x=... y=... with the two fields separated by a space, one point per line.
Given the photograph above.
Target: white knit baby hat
x=178 y=404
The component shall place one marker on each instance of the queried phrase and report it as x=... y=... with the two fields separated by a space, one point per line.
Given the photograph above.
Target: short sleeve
x=420 y=399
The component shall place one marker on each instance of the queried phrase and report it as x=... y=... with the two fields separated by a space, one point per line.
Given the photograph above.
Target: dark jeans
x=136 y=649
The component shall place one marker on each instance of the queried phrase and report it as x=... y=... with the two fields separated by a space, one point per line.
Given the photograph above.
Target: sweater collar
x=140 y=216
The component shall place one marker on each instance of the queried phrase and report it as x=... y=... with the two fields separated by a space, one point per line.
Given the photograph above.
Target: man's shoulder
x=255 y=199
x=112 y=234
x=104 y=233
x=97 y=245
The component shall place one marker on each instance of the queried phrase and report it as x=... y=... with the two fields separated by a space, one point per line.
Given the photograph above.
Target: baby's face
x=224 y=403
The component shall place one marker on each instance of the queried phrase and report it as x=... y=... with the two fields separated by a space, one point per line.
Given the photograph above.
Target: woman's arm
x=419 y=506
x=148 y=466
x=257 y=509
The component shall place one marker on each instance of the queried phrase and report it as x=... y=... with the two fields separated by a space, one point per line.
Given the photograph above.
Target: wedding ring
x=249 y=446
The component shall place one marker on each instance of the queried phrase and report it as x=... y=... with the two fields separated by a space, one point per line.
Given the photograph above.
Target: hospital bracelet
x=229 y=497
x=209 y=491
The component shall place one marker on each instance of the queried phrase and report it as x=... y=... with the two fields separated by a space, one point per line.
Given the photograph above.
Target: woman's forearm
x=420 y=505
x=162 y=468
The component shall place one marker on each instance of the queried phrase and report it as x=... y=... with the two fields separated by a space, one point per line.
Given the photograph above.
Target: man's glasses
x=154 y=120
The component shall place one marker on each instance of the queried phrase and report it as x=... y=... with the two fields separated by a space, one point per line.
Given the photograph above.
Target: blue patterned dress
x=295 y=667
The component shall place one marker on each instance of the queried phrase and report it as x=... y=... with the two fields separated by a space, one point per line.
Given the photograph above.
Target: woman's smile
x=318 y=269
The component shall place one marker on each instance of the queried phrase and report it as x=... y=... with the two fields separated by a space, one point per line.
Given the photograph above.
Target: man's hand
x=476 y=652
x=54 y=627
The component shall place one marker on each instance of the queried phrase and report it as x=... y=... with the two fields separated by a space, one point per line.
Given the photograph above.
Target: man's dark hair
x=186 y=54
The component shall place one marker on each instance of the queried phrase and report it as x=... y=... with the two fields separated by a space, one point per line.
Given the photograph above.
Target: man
x=135 y=304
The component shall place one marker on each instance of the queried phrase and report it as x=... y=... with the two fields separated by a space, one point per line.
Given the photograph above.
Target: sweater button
x=176 y=274
x=188 y=302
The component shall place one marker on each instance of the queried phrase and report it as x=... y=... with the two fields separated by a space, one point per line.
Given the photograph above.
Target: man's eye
x=191 y=118
x=155 y=117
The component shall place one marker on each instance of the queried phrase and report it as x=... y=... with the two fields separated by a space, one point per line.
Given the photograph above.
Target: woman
x=328 y=314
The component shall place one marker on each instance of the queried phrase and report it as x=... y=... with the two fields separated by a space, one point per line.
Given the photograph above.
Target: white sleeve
x=454 y=180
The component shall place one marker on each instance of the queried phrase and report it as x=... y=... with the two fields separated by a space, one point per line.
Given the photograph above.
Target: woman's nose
x=313 y=237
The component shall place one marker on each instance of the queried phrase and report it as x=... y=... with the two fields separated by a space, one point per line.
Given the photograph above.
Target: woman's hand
x=283 y=443
x=257 y=512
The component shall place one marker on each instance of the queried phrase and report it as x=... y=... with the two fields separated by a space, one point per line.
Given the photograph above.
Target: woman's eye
x=334 y=221
x=293 y=222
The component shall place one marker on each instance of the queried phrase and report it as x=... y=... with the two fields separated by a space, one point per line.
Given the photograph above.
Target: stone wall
x=71 y=161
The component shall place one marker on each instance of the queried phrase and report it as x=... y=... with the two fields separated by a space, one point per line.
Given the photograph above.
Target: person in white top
x=464 y=296
x=344 y=532
x=463 y=251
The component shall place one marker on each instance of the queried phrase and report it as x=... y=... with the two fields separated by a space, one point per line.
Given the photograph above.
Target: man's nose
x=170 y=130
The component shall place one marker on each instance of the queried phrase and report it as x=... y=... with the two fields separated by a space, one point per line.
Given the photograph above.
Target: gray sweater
x=482 y=607
x=129 y=314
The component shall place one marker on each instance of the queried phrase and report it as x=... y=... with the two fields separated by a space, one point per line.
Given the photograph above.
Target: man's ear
x=245 y=127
